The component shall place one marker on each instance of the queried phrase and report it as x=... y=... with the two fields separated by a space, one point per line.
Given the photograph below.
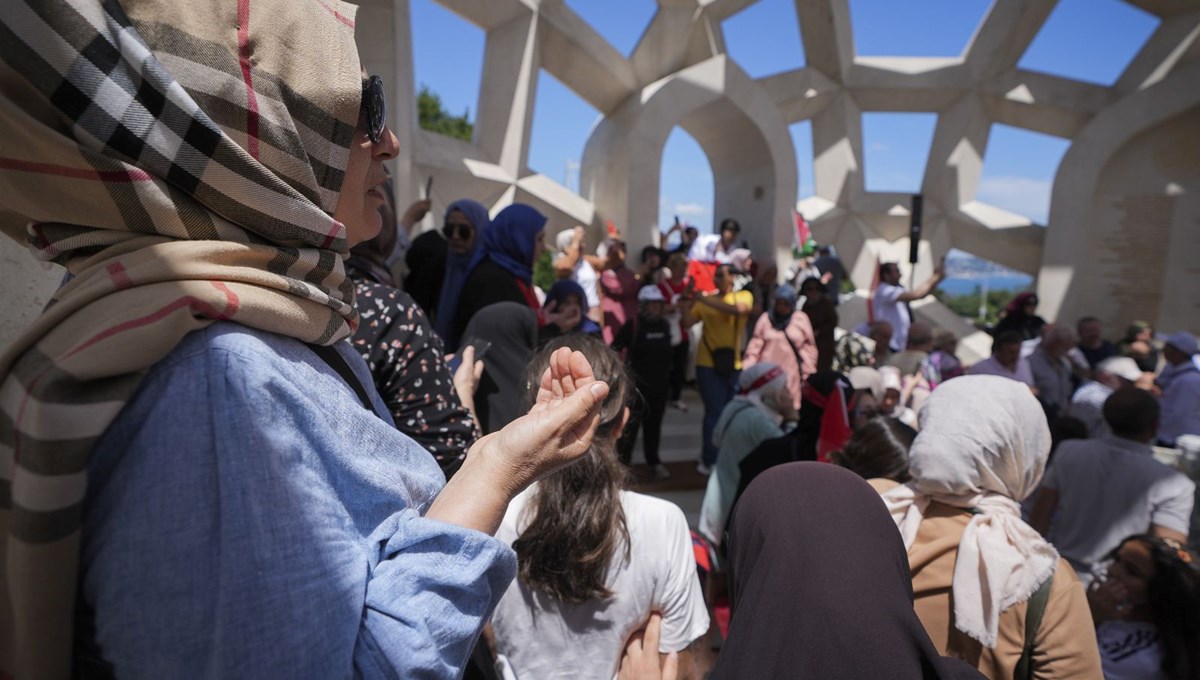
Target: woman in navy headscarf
x=566 y=303
x=502 y=269
x=464 y=228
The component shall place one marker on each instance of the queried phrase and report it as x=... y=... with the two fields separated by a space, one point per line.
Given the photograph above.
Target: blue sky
x=1091 y=40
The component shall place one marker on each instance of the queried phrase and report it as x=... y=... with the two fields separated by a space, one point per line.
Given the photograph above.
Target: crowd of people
x=237 y=444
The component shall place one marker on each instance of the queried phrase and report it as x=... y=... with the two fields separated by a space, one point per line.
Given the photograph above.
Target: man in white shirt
x=1108 y=489
x=1180 y=385
x=890 y=298
x=1006 y=360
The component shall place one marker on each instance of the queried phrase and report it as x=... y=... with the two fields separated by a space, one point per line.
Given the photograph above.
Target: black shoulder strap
x=1033 y=620
x=330 y=356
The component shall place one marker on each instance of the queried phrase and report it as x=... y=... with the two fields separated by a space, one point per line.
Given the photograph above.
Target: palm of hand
x=560 y=426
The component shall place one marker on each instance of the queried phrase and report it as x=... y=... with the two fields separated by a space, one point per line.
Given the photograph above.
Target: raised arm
x=741 y=305
x=564 y=264
x=923 y=290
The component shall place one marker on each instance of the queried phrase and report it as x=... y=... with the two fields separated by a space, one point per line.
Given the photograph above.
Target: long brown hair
x=577 y=524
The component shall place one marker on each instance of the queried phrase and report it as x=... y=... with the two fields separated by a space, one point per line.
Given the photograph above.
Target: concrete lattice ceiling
x=684 y=44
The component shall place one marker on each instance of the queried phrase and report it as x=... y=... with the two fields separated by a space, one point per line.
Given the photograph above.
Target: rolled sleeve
x=428 y=598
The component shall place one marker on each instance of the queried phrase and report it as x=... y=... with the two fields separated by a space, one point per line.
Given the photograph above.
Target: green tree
x=434 y=118
x=968 y=305
x=543 y=271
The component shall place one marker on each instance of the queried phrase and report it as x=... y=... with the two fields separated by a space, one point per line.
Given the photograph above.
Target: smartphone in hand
x=481 y=348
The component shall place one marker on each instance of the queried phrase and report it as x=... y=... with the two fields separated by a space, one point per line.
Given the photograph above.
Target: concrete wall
x=1136 y=259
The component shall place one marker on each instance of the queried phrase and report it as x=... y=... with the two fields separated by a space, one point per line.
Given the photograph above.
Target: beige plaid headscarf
x=182 y=160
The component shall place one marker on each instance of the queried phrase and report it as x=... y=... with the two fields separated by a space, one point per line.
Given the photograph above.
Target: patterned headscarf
x=183 y=164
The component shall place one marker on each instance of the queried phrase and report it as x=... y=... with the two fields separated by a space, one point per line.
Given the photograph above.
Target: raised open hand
x=556 y=431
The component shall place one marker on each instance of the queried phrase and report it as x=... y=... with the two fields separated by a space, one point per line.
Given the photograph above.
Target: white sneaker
x=661 y=472
x=703 y=469
x=679 y=405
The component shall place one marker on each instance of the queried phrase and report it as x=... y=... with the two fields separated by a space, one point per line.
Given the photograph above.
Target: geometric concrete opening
x=895 y=150
x=914 y=28
x=451 y=69
x=620 y=22
x=802 y=142
x=1018 y=171
x=685 y=171
x=966 y=272
x=1073 y=43
x=562 y=121
x=769 y=22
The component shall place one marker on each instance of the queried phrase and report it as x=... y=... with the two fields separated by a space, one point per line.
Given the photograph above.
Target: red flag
x=835 y=424
x=803 y=233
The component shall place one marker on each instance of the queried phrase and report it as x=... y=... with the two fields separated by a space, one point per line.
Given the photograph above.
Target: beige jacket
x=1065 y=646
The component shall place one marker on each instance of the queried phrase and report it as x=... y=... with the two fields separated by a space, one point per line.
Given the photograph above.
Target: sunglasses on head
x=374 y=105
x=462 y=231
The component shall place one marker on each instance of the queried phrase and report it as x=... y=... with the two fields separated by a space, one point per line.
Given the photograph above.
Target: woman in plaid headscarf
x=181 y=444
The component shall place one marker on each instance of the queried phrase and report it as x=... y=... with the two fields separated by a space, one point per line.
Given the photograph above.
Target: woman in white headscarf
x=755 y=415
x=976 y=566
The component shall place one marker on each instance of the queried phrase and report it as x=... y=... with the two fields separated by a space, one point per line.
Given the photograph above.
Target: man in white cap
x=1179 y=381
x=1112 y=374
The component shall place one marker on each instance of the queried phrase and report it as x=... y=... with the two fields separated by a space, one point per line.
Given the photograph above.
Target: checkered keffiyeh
x=182 y=160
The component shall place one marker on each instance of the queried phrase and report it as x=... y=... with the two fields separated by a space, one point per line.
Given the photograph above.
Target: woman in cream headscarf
x=185 y=442
x=975 y=564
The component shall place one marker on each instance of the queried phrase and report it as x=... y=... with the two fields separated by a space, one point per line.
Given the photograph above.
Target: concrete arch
x=738 y=126
x=1123 y=217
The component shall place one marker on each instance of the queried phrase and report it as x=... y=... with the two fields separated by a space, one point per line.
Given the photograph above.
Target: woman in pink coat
x=784 y=336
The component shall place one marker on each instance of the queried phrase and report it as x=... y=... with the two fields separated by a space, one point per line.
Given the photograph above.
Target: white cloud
x=879 y=146
x=691 y=209
x=1021 y=195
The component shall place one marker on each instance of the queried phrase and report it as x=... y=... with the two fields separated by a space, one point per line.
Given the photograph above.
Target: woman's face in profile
x=363 y=185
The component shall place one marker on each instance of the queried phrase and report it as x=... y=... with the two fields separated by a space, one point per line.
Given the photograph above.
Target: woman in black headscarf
x=511 y=328
x=820 y=586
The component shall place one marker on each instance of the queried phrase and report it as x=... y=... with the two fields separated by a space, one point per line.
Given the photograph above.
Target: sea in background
x=965 y=272
x=965 y=286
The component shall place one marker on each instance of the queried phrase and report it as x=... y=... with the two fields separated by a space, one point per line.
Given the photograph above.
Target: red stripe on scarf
x=120 y=277
x=764 y=379
x=131 y=175
x=337 y=15
x=332 y=234
x=243 y=18
x=231 y=307
x=196 y=304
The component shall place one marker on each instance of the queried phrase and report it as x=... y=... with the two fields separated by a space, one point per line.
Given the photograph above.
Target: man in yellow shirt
x=719 y=356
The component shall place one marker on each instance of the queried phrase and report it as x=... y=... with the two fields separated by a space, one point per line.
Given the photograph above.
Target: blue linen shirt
x=247 y=517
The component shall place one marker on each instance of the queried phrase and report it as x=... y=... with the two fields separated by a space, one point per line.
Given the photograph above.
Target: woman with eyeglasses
x=465 y=221
x=501 y=270
x=206 y=482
